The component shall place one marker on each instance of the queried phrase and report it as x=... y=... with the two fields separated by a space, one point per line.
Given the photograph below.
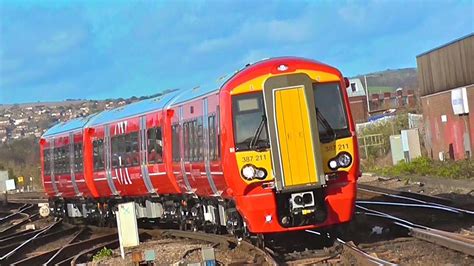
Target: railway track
x=419 y=200
x=340 y=252
x=79 y=244
x=455 y=241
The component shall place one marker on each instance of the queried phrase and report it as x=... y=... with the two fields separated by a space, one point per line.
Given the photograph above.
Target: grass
x=422 y=166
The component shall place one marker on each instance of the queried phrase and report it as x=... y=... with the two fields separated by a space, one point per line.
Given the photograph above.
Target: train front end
x=293 y=148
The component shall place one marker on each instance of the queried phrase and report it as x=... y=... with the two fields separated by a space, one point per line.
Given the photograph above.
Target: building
x=379 y=103
x=446 y=80
x=357 y=100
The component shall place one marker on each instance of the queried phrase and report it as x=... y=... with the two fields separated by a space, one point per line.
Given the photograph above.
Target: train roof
x=153 y=104
x=67 y=126
x=196 y=92
x=173 y=98
x=133 y=109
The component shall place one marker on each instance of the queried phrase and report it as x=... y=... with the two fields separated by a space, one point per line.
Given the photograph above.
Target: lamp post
x=367 y=91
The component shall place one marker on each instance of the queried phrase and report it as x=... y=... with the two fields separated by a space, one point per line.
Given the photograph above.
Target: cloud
x=257 y=32
x=61 y=42
x=116 y=49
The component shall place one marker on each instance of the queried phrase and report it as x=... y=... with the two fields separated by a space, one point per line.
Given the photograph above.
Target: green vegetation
x=21 y=158
x=406 y=78
x=102 y=254
x=423 y=166
x=385 y=129
x=380 y=89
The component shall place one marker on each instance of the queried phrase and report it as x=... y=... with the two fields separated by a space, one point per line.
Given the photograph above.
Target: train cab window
x=98 y=154
x=249 y=115
x=175 y=141
x=155 y=145
x=330 y=111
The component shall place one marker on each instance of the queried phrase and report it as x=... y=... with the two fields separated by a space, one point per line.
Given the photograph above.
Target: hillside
x=391 y=79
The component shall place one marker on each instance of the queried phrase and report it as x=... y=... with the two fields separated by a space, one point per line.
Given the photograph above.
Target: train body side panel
x=46 y=175
x=98 y=176
x=158 y=163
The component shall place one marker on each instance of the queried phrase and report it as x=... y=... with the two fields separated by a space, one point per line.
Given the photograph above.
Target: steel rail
x=6 y=231
x=6 y=256
x=407 y=194
x=399 y=204
x=19 y=211
x=20 y=235
x=417 y=200
x=72 y=240
x=362 y=257
x=446 y=239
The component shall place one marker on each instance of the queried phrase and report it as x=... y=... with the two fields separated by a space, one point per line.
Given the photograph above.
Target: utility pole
x=367 y=95
x=367 y=91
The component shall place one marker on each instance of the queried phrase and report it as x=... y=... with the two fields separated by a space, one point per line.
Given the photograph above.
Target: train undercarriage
x=186 y=213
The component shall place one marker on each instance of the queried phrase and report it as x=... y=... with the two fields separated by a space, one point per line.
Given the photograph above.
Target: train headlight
x=249 y=171
x=333 y=164
x=261 y=173
x=344 y=159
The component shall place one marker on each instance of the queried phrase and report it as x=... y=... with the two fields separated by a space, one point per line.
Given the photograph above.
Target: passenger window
x=199 y=136
x=133 y=156
x=218 y=134
x=175 y=141
x=98 y=153
x=155 y=145
x=212 y=137
x=186 y=141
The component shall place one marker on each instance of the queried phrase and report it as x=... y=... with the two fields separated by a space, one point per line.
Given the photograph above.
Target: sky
x=57 y=50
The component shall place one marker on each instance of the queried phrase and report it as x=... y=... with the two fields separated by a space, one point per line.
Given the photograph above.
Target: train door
x=294 y=137
x=213 y=144
x=72 y=161
x=149 y=138
x=125 y=157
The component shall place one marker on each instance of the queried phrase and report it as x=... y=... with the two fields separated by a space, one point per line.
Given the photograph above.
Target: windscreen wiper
x=325 y=123
x=253 y=143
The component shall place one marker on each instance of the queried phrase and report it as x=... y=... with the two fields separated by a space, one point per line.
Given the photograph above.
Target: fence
x=373 y=144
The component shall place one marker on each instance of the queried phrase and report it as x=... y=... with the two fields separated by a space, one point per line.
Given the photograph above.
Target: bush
x=423 y=166
x=104 y=253
x=385 y=129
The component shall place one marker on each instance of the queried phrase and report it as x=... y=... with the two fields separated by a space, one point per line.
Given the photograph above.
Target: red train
x=272 y=148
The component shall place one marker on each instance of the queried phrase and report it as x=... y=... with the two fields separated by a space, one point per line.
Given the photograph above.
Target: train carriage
x=62 y=160
x=271 y=149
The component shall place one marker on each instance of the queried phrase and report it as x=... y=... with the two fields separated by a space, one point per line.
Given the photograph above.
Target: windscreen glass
x=332 y=119
x=249 y=113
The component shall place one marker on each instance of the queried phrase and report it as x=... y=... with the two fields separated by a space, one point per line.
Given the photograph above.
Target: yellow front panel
x=332 y=149
x=260 y=159
x=295 y=140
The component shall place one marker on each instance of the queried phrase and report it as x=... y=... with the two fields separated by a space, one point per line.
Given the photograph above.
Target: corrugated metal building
x=446 y=79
